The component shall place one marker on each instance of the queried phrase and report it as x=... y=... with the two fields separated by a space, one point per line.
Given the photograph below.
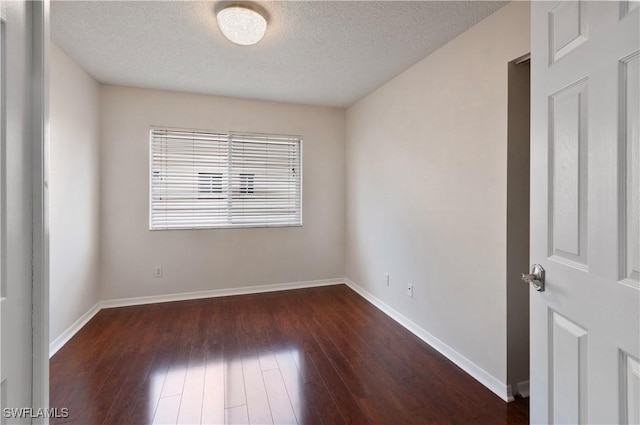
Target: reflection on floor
x=309 y=356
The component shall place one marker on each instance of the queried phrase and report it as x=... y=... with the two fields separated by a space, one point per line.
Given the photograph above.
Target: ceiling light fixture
x=241 y=24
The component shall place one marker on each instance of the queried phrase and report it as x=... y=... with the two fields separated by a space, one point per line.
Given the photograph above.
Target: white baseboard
x=124 y=302
x=60 y=341
x=522 y=389
x=519 y=389
x=481 y=375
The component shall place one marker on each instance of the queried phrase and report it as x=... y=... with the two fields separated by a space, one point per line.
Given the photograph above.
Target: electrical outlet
x=386 y=278
x=410 y=290
x=158 y=271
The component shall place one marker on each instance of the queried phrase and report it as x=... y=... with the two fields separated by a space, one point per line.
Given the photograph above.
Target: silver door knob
x=536 y=277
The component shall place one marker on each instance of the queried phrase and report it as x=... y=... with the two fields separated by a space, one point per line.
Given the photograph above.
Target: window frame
x=230 y=135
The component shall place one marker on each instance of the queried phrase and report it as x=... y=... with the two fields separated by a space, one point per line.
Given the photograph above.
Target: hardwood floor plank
x=133 y=387
x=103 y=384
x=357 y=387
x=234 y=383
x=167 y=411
x=192 y=395
x=379 y=410
x=144 y=396
x=323 y=403
x=257 y=400
x=444 y=401
x=393 y=363
x=70 y=363
x=174 y=381
x=344 y=400
x=213 y=403
x=384 y=385
x=306 y=368
x=308 y=356
x=213 y=410
x=364 y=337
x=303 y=407
x=236 y=416
x=267 y=359
x=138 y=404
x=281 y=408
x=193 y=390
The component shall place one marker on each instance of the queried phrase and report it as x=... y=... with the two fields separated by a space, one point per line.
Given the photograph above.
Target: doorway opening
x=518 y=123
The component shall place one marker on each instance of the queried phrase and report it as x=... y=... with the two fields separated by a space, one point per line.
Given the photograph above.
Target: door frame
x=40 y=163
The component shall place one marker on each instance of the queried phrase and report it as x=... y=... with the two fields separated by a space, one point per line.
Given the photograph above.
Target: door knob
x=536 y=277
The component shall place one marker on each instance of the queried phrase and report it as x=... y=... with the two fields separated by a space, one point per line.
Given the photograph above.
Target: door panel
x=585 y=327
x=567 y=28
x=630 y=376
x=569 y=370
x=630 y=117
x=568 y=136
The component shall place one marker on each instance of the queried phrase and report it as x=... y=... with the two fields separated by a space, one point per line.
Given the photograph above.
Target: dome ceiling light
x=242 y=24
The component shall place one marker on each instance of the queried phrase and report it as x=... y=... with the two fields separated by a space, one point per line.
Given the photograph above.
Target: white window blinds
x=208 y=180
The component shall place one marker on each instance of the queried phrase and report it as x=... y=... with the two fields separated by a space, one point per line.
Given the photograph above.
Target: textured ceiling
x=314 y=52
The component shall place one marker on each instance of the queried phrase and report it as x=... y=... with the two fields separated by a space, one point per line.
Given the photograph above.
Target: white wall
x=426 y=189
x=74 y=191
x=197 y=260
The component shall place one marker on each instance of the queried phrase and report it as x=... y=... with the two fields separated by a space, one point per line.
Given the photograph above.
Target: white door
x=585 y=212
x=15 y=207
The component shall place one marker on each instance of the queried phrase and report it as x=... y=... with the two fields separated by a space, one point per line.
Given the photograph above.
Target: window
x=246 y=183
x=202 y=179
x=210 y=185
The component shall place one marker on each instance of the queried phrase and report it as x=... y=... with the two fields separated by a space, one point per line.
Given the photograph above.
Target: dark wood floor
x=312 y=356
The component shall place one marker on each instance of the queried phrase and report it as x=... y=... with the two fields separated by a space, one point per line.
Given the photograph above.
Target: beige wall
x=427 y=189
x=197 y=260
x=74 y=191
